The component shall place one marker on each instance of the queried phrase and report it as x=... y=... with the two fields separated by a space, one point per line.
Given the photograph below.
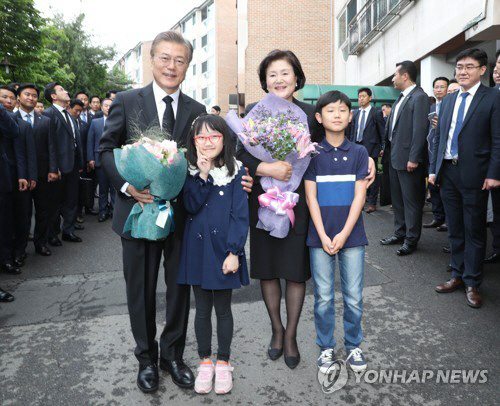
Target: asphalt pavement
x=66 y=338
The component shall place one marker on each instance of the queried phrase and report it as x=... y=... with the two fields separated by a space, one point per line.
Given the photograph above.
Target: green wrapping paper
x=143 y=170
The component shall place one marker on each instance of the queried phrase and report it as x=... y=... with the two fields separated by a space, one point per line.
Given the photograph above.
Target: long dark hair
x=214 y=123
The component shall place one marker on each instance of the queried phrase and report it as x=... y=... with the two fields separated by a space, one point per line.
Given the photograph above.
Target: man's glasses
x=467 y=68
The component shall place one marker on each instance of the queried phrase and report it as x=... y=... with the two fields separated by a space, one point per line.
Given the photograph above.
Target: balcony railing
x=371 y=20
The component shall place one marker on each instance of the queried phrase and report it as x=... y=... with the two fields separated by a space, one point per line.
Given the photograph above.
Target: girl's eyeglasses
x=202 y=139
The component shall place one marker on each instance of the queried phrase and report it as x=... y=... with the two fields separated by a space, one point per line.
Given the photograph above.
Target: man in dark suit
x=466 y=164
x=160 y=103
x=105 y=188
x=367 y=128
x=42 y=192
x=65 y=138
x=405 y=139
x=8 y=131
x=440 y=89
x=28 y=175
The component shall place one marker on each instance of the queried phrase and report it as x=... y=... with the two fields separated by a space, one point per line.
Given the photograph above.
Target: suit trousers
x=141 y=261
x=437 y=204
x=6 y=227
x=44 y=198
x=372 y=192
x=495 y=224
x=105 y=189
x=22 y=220
x=408 y=197
x=466 y=215
x=67 y=198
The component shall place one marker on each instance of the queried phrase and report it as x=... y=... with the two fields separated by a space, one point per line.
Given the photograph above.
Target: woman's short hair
x=288 y=56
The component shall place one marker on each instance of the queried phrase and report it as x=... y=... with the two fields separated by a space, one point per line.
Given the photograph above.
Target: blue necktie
x=28 y=120
x=458 y=125
x=361 y=128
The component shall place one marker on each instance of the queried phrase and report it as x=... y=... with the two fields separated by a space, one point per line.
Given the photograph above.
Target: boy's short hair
x=333 y=96
x=367 y=90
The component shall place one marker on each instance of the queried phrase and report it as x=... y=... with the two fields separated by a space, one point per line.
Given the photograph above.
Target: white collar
x=367 y=109
x=23 y=113
x=472 y=91
x=219 y=175
x=159 y=93
x=59 y=108
x=408 y=90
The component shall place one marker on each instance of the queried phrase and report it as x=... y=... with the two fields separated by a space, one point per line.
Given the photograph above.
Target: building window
x=194 y=69
x=194 y=94
x=351 y=10
x=194 y=43
x=204 y=41
x=204 y=67
x=194 y=19
x=204 y=93
x=207 y=13
x=342 y=26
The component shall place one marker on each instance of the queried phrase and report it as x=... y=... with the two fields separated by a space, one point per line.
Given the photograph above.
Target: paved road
x=66 y=338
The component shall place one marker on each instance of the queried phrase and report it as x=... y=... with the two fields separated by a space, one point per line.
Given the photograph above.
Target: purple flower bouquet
x=276 y=130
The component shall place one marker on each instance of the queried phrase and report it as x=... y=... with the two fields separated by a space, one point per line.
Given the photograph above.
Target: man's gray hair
x=172 y=36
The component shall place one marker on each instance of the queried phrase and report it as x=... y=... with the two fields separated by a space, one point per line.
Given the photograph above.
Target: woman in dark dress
x=272 y=259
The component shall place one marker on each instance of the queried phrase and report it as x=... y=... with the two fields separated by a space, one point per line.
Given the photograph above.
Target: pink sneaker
x=203 y=382
x=223 y=377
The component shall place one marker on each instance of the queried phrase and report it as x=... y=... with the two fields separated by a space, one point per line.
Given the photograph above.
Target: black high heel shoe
x=274 y=353
x=292 y=362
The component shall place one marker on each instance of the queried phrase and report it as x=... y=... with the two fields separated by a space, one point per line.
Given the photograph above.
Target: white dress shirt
x=24 y=115
x=159 y=94
x=405 y=93
x=472 y=91
x=367 y=111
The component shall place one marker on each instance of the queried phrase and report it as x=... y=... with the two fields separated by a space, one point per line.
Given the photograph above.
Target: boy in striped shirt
x=335 y=191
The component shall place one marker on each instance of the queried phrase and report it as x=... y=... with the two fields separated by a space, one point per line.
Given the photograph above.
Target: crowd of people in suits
x=46 y=154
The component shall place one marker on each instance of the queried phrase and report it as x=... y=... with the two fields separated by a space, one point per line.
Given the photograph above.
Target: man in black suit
x=42 y=191
x=466 y=164
x=65 y=139
x=160 y=103
x=95 y=107
x=28 y=176
x=367 y=128
x=405 y=139
x=8 y=131
x=440 y=89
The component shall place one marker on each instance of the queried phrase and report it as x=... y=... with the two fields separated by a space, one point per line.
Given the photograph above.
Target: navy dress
x=217 y=224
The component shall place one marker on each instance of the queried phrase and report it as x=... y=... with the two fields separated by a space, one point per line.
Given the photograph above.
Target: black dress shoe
x=79 y=227
x=406 y=249
x=432 y=224
x=43 y=251
x=80 y=220
x=182 y=375
x=9 y=268
x=446 y=250
x=5 y=296
x=22 y=256
x=492 y=259
x=55 y=242
x=18 y=262
x=147 y=378
x=292 y=362
x=391 y=240
x=102 y=217
x=443 y=227
x=71 y=237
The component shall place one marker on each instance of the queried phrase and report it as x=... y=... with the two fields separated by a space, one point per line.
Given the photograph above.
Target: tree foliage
x=54 y=50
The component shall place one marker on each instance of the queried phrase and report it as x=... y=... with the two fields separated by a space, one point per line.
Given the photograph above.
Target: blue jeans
x=352 y=269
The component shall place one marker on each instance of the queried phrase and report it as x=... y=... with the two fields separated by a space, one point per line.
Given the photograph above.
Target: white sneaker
x=223 y=378
x=203 y=382
x=356 y=360
x=325 y=361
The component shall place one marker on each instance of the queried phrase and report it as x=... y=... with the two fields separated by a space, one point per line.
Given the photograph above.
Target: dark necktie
x=168 y=117
x=68 y=120
x=361 y=128
x=458 y=125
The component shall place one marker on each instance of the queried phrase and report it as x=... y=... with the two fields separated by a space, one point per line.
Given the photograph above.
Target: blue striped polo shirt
x=335 y=171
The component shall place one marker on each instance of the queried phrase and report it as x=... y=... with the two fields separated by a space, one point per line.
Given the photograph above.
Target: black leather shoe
x=443 y=227
x=147 y=378
x=43 y=251
x=55 y=242
x=102 y=217
x=492 y=259
x=91 y=211
x=274 y=353
x=292 y=362
x=79 y=227
x=182 y=375
x=5 y=296
x=80 y=220
x=406 y=249
x=391 y=240
x=432 y=224
x=71 y=238
x=9 y=268
x=446 y=250
x=18 y=262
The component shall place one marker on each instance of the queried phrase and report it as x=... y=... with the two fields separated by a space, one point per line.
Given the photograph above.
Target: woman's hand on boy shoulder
x=231 y=264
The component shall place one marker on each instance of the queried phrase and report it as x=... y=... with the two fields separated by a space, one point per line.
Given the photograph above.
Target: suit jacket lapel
x=148 y=116
x=63 y=119
x=403 y=104
x=473 y=105
x=453 y=99
x=183 y=113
